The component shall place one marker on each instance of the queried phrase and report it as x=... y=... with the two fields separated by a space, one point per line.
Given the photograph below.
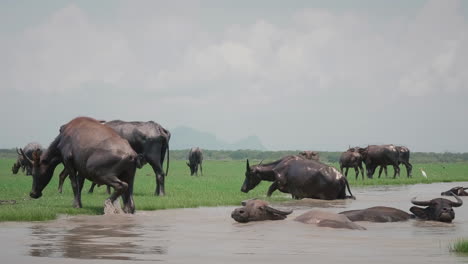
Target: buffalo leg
x=155 y=163
x=362 y=171
x=76 y=188
x=91 y=189
x=356 y=170
x=201 y=169
x=397 y=170
x=273 y=187
x=346 y=172
x=63 y=175
x=127 y=199
x=119 y=187
x=409 y=169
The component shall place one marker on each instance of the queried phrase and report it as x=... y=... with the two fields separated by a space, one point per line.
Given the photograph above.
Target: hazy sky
x=318 y=75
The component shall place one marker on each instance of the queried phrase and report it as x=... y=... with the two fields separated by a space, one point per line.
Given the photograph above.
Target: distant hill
x=186 y=137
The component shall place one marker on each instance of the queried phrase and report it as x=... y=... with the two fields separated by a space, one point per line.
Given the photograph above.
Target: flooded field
x=209 y=235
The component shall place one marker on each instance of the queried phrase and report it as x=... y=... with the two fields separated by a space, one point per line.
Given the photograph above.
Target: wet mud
x=210 y=235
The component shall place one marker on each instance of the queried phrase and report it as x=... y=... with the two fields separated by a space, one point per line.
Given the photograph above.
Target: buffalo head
x=439 y=209
x=252 y=178
x=460 y=191
x=310 y=155
x=257 y=210
x=193 y=168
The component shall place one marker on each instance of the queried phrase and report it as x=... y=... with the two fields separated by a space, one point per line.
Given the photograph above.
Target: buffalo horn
x=260 y=162
x=276 y=211
x=420 y=203
x=26 y=157
x=459 y=201
x=248 y=166
x=466 y=188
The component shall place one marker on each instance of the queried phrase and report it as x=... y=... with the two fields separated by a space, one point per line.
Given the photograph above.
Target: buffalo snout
x=240 y=215
x=35 y=195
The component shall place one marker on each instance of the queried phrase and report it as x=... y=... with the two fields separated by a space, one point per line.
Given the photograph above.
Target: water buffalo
x=195 y=158
x=257 y=210
x=460 y=191
x=299 y=177
x=150 y=140
x=256 y=173
x=403 y=157
x=351 y=159
x=380 y=155
x=310 y=155
x=438 y=209
x=23 y=163
x=88 y=150
x=379 y=214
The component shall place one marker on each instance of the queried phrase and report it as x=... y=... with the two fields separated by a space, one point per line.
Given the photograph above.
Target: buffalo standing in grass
x=88 y=150
x=23 y=163
x=150 y=140
x=195 y=158
x=438 y=209
x=351 y=159
x=403 y=157
x=301 y=178
x=380 y=155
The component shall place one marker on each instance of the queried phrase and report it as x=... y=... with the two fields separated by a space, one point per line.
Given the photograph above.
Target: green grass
x=220 y=185
x=461 y=246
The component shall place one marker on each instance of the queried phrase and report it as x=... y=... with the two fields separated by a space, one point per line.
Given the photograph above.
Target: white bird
x=423 y=173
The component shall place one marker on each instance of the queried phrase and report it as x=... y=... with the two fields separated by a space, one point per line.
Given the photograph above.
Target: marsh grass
x=219 y=186
x=461 y=246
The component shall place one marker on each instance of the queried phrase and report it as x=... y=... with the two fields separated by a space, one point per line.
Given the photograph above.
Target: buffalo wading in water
x=380 y=155
x=351 y=159
x=88 y=150
x=460 y=191
x=257 y=210
x=380 y=214
x=23 y=163
x=148 y=139
x=195 y=158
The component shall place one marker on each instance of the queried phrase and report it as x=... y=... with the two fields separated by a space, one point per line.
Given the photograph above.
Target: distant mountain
x=186 y=137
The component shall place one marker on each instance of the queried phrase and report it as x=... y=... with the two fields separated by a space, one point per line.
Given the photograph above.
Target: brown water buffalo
x=380 y=155
x=310 y=155
x=460 y=191
x=301 y=178
x=257 y=210
x=351 y=159
x=23 y=163
x=403 y=157
x=148 y=139
x=327 y=219
x=195 y=158
x=264 y=172
x=88 y=150
x=379 y=214
x=439 y=209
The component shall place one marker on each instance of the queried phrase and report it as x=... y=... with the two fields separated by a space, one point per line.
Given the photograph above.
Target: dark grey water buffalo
x=380 y=155
x=257 y=210
x=403 y=157
x=150 y=140
x=351 y=159
x=379 y=214
x=310 y=155
x=439 y=209
x=299 y=177
x=23 y=163
x=88 y=150
x=460 y=191
x=265 y=172
x=195 y=158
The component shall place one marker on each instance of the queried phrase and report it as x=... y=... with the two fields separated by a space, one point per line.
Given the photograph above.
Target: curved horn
x=276 y=211
x=420 y=203
x=465 y=188
x=26 y=157
x=459 y=201
x=247 y=165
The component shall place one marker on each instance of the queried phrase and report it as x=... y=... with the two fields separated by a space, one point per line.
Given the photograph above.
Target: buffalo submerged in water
x=301 y=178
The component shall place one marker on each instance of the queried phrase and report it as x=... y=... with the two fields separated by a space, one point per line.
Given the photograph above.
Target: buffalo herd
x=108 y=153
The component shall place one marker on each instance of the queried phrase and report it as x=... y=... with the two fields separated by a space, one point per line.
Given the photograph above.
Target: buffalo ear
x=247 y=166
x=419 y=212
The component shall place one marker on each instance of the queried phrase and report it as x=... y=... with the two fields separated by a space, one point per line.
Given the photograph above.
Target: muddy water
x=209 y=235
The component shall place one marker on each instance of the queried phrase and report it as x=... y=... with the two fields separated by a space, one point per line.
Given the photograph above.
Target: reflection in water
x=105 y=238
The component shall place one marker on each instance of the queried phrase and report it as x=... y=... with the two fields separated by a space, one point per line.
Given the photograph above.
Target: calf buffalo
x=460 y=191
x=299 y=177
x=195 y=158
x=23 y=163
x=257 y=210
x=380 y=155
x=88 y=150
x=351 y=159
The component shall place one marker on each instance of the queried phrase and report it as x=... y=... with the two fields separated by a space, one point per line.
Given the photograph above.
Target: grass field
x=220 y=185
x=461 y=246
